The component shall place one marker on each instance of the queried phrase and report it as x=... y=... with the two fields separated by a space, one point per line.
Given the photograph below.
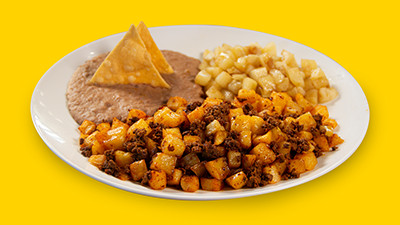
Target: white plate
x=59 y=131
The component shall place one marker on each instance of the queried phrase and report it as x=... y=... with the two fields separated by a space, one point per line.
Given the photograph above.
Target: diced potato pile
x=249 y=142
x=227 y=69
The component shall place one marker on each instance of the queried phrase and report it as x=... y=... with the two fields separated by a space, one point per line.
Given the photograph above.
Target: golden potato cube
x=168 y=118
x=162 y=161
x=189 y=160
x=237 y=180
x=233 y=113
x=308 y=65
x=175 y=178
x=97 y=148
x=272 y=135
x=211 y=184
x=307 y=121
x=279 y=101
x=218 y=168
x=320 y=110
x=330 y=123
x=305 y=135
x=245 y=139
x=199 y=169
x=241 y=123
x=87 y=127
x=123 y=159
x=292 y=108
x=172 y=131
x=196 y=114
x=310 y=161
x=303 y=103
x=256 y=74
x=191 y=139
x=135 y=114
x=157 y=180
x=220 y=137
x=322 y=143
x=273 y=172
x=280 y=165
x=103 y=127
x=214 y=127
x=172 y=145
x=138 y=170
x=234 y=159
x=97 y=160
x=118 y=123
x=176 y=102
x=248 y=161
x=335 y=140
x=140 y=124
x=263 y=153
x=256 y=125
x=116 y=138
x=90 y=140
x=190 y=183
x=150 y=144
x=296 y=166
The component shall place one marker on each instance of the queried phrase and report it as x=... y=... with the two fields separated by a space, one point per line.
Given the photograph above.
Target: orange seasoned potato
x=247 y=143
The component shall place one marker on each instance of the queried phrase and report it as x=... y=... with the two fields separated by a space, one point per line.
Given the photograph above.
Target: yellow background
x=38 y=187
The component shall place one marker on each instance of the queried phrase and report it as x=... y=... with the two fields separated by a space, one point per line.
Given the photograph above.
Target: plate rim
x=191 y=196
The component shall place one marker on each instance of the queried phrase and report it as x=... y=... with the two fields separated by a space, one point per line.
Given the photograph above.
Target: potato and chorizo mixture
x=227 y=69
x=249 y=142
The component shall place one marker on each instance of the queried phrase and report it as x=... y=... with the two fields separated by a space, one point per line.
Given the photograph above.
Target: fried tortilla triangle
x=156 y=56
x=129 y=63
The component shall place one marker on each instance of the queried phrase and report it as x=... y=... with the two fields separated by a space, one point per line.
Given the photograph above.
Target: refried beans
x=103 y=103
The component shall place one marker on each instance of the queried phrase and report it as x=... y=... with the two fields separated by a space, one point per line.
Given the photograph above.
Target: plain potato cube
x=176 y=102
x=175 y=178
x=234 y=86
x=213 y=92
x=97 y=160
x=308 y=65
x=190 y=183
x=162 y=161
x=289 y=59
x=172 y=145
x=213 y=71
x=218 y=168
x=237 y=180
x=211 y=184
x=326 y=94
x=138 y=170
x=270 y=48
x=310 y=161
x=273 y=173
x=234 y=159
x=157 y=180
x=249 y=84
x=223 y=79
x=318 y=78
x=263 y=153
x=312 y=96
x=296 y=77
x=256 y=74
x=202 y=78
x=123 y=159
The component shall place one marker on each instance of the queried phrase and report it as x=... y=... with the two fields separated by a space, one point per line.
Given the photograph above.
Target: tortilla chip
x=156 y=56
x=129 y=63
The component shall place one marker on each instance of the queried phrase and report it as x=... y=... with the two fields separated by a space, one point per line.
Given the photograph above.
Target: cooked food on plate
x=242 y=117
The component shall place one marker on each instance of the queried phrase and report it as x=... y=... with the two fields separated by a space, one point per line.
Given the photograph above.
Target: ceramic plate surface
x=60 y=132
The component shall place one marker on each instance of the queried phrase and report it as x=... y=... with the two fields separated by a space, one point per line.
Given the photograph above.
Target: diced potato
x=310 y=161
x=237 y=180
x=245 y=139
x=249 y=84
x=330 y=123
x=190 y=183
x=320 y=110
x=224 y=62
x=234 y=159
x=270 y=48
x=272 y=135
x=305 y=135
x=241 y=123
x=97 y=160
x=196 y=114
x=273 y=172
x=213 y=71
x=172 y=131
x=90 y=140
x=296 y=166
x=213 y=92
x=103 y=127
x=87 y=127
x=256 y=74
x=140 y=124
x=138 y=170
x=117 y=123
x=199 y=169
x=116 y=138
x=296 y=77
x=211 y=184
x=322 y=143
x=263 y=153
x=312 y=96
x=228 y=95
x=214 y=127
x=220 y=137
x=97 y=148
x=190 y=139
x=157 y=179
x=248 y=161
x=189 y=160
x=335 y=140
x=202 y=78
x=307 y=121
x=175 y=178
x=168 y=118
x=233 y=113
x=280 y=166
x=218 y=168
x=176 y=102
x=123 y=159
x=308 y=65
x=234 y=86
x=173 y=145
x=162 y=161
x=289 y=59
x=209 y=102
x=303 y=103
x=327 y=94
x=136 y=114
x=223 y=79
x=318 y=78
